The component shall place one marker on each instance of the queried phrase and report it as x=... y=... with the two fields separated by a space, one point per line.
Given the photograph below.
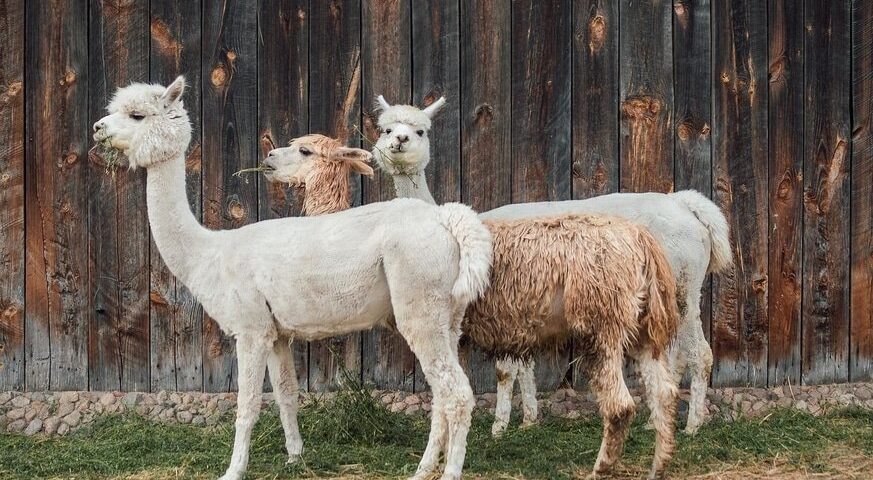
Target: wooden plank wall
x=764 y=106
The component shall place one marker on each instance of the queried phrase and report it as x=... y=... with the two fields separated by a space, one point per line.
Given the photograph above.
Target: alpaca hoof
x=529 y=423
x=292 y=459
x=231 y=476
x=497 y=431
x=692 y=428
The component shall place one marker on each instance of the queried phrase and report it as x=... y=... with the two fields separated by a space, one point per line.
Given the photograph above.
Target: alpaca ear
x=383 y=104
x=174 y=91
x=357 y=159
x=434 y=107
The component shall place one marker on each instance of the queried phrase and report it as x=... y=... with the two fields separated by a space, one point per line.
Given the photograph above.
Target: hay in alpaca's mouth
x=105 y=154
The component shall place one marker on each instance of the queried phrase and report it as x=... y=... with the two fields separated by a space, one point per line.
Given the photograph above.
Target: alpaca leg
x=252 y=352
x=527 y=385
x=506 y=370
x=661 y=396
x=453 y=396
x=283 y=377
x=701 y=368
x=615 y=403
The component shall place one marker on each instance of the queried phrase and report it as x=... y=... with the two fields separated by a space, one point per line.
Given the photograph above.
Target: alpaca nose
x=402 y=138
x=268 y=162
x=99 y=125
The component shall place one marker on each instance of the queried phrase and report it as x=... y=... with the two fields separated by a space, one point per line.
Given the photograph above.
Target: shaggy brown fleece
x=577 y=275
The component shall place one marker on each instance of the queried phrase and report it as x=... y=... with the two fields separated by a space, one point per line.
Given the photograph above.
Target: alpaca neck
x=178 y=235
x=328 y=191
x=413 y=186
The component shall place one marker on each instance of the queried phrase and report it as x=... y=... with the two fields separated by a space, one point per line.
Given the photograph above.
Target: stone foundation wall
x=58 y=413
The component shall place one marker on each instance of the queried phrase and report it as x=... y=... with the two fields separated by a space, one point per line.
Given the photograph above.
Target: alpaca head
x=307 y=156
x=148 y=123
x=404 y=136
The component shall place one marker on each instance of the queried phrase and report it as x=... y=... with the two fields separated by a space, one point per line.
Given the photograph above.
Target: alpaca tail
x=474 y=240
x=713 y=219
x=662 y=316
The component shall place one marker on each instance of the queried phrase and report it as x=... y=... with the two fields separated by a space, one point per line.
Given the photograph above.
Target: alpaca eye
x=388 y=132
x=305 y=151
x=420 y=132
x=137 y=116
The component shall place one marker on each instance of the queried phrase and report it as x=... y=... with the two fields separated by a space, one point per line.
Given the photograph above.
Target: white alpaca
x=309 y=278
x=690 y=228
x=598 y=279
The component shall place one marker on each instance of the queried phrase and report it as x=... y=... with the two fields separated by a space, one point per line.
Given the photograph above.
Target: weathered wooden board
x=595 y=98
x=335 y=110
x=827 y=156
x=283 y=96
x=56 y=173
x=176 y=317
x=486 y=162
x=11 y=195
x=740 y=332
x=861 y=354
x=692 y=124
x=646 y=94
x=386 y=55
x=436 y=72
x=541 y=114
x=230 y=143
x=786 y=187
x=118 y=253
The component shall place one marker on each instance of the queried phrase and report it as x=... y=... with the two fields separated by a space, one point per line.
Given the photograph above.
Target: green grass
x=354 y=436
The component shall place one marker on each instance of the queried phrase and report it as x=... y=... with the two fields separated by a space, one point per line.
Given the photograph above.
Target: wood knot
x=704 y=130
x=484 y=113
x=71 y=158
x=725 y=78
x=578 y=169
x=13 y=89
x=641 y=107
x=431 y=97
x=236 y=211
x=11 y=312
x=68 y=79
x=219 y=76
x=4 y=179
x=231 y=56
x=684 y=131
x=596 y=33
x=301 y=13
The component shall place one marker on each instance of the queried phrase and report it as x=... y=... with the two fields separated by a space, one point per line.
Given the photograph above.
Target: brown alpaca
x=599 y=280
x=602 y=281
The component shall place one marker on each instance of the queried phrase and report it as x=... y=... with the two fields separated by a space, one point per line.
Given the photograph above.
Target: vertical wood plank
x=826 y=239
x=740 y=332
x=541 y=122
x=862 y=193
x=230 y=143
x=118 y=264
x=646 y=92
x=486 y=162
x=436 y=73
x=11 y=195
x=692 y=46
x=786 y=186
x=283 y=82
x=176 y=317
x=595 y=98
x=58 y=138
x=386 y=51
x=334 y=109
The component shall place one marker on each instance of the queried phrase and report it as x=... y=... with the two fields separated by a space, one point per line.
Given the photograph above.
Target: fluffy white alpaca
x=310 y=278
x=690 y=228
